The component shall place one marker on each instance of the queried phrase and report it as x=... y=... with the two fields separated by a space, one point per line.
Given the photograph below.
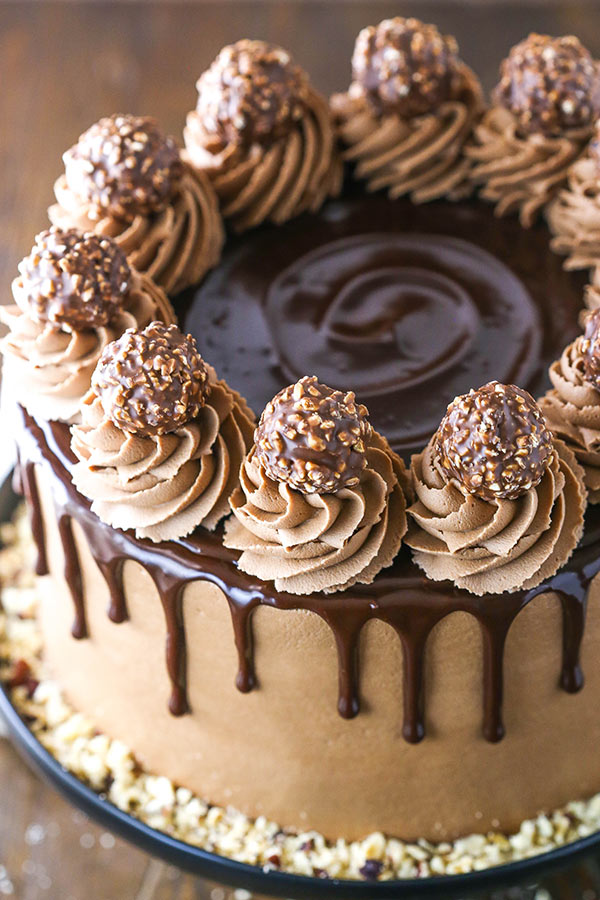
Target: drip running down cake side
x=317 y=533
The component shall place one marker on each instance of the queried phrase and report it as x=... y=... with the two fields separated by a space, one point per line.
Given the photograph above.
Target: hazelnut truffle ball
x=73 y=280
x=253 y=91
x=124 y=166
x=590 y=350
x=550 y=84
x=494 y=441
x=313 y=438
x=153 y=381
x=405 y=66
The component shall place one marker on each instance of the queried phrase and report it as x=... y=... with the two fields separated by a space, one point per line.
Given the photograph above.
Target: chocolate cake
x=375 y=609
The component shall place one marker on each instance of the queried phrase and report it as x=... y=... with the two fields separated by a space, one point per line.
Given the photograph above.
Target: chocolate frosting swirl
x=273 y=181
x=421 y=156
x=308 y=543
x=50 y=369
x=520 y=172
x=163 y=486
x=572 y=410
x=501 y=545
x=175 y=246
x=574 y=216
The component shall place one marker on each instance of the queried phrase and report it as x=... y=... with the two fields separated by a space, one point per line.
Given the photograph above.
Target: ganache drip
x=404 y=599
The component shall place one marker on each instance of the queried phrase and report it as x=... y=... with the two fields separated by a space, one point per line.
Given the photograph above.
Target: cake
x=370 y=605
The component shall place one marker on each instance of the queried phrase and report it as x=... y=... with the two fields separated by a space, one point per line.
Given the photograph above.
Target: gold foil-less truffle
x=551 y=85
x=125 y=166
x=253 y=91
x=313 y=437
x=590 y=350
x=152 y=381
x=74 y=280
x=405 y=66
x=494 y=441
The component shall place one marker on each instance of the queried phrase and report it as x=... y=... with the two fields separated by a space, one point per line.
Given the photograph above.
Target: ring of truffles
x=550 y=84
x=74 y=280
x=590 y=350
x=252 y=91
x=153 y=381
x=313 y=438
x=405 y=66
x=124 y=166
x=494 y=441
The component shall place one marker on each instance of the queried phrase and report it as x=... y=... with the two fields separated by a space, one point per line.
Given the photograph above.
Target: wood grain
x=61 y=67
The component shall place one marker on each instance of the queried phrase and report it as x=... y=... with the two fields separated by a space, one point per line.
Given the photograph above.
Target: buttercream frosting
x=49 y=369
x=165 y=485
x=574 y=216
x=274 y=180
x=520 y=172
x=176 y=246
x=308 y=543
x=572 y=410
x=499 y=545
x=421 y=156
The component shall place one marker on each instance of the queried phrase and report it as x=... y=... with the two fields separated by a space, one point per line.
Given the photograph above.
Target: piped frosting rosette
x=499 y=501
x=263 y=136
x=320 y=504
x=126 y=180
x=545 y=106
x=574 y=214
x=411 y=107
x=572 y=407
x=75 y=293
x=161 y=439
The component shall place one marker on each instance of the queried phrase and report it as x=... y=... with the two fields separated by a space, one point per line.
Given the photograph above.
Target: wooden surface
x=61 y=67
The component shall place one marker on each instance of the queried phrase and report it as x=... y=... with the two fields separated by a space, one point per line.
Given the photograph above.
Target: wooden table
x=62 y=66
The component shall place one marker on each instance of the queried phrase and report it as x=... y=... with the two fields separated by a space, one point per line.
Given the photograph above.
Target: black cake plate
x=277 y=884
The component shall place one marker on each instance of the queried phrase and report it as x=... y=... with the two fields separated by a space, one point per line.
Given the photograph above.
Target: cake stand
x=272 y=883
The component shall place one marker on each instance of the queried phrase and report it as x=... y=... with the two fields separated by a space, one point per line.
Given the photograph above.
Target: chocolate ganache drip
x=402 y=597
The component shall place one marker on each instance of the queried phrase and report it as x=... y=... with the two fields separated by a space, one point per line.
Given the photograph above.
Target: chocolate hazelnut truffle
x=152 y=381
x=124 y=166
x=253 y=91
x=550 y=84
x=313 y=438
x=405 y=66
x=73 y=280
x=494 y=441
x=590 y=350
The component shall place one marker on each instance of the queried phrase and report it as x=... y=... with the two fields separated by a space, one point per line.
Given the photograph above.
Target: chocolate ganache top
x=409 y=306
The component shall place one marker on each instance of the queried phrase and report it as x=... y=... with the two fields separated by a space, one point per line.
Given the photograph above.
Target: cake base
x=121 y=786
x=344 y=777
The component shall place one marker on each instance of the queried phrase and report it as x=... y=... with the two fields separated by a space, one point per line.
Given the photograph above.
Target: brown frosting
x=572 y=410
x=269 y=180
x=163 y=485
x=521 y=172
x=307 y=543
x=592 y=293
x=499 y=545
x=420 y=156
x=48 y=368
x=574 y=216
x=176 y=246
